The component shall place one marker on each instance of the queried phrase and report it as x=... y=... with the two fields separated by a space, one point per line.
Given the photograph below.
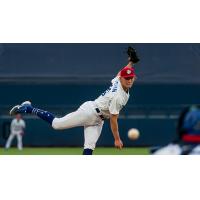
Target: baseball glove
x=132 y=54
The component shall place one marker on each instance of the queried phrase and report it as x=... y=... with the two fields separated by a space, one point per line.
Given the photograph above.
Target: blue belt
x=99 y=113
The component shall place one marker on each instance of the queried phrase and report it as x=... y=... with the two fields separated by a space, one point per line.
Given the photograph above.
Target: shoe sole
x=15 y=108
x=26 y=102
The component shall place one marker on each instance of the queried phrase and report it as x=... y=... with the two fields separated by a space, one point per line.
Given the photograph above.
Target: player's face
x=127 y=83
x=18 y=117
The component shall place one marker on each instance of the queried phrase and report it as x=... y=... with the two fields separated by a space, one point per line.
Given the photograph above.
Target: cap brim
x=128 y=76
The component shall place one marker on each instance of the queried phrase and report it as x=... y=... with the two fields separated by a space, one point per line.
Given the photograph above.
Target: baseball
x=133 y=134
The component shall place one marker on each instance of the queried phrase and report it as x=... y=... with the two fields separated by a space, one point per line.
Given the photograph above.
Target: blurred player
x=91 y=114
x=16 y=130
x=188 y=131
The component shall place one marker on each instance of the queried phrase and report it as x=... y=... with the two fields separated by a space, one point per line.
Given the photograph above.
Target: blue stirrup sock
x=45 y=115
x=87 y=152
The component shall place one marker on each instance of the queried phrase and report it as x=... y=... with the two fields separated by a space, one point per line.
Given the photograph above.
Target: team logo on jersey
x=128 y=71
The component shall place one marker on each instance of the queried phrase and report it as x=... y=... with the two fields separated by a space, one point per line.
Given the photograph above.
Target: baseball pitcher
x=91 y=114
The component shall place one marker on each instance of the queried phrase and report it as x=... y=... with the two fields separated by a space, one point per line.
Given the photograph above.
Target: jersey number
x=108 y=90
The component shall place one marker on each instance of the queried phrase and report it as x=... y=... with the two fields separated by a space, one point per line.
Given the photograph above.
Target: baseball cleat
x=21 y=108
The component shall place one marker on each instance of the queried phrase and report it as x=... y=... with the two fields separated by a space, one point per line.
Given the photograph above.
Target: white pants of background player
x=175 y=149
x=170 y=149
x=18 y=135
x=85 y=116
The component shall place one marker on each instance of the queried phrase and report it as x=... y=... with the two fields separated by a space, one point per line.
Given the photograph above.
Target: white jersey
x=113 y=99
x=17 y=126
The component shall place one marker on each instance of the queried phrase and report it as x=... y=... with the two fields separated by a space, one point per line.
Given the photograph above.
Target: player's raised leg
x=74 y=119
x=26 y=107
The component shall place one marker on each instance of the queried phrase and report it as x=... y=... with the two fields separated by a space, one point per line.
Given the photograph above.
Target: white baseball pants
x=19 y=140
x=85 y=116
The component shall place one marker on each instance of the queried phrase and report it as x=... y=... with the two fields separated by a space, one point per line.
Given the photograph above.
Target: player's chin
x=129 y=86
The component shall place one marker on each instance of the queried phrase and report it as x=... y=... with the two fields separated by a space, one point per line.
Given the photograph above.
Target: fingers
x=119 y=145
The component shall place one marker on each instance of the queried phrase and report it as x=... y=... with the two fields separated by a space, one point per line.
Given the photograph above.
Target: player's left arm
x=130 y=65
x=115 y=130
x=23 y=127
x=132 y=58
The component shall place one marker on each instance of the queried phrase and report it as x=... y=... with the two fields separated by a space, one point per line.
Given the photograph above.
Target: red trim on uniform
x=191 y=138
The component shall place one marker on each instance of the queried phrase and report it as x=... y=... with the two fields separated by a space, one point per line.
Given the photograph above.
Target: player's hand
x=132 y=55
x=22 y=133
x=118 y=144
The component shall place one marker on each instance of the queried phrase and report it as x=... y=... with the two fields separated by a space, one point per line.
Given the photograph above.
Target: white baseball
x=133 y=134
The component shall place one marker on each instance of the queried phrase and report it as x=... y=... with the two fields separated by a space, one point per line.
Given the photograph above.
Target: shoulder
x=14 y=121
x=114 y=80
x=22 y=121
x=115 y=105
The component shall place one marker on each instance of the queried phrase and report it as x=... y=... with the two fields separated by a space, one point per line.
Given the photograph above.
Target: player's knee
x=56 y=124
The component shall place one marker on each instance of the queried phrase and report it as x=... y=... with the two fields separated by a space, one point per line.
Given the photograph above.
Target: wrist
x=117 y=139
x=130 y=64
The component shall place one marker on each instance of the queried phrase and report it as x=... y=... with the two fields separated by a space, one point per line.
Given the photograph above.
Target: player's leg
x=9 y=141
x=26 y=107
x=74 y=119
x=19 y=141
x=83 y=116
x=91 y=134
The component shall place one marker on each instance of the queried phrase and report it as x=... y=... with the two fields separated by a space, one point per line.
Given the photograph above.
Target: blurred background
x=60 y=77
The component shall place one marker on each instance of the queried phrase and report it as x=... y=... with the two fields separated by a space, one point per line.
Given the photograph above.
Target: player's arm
x=115 y=131
x=24 y=125
x=130 y=65
x=23 y=128
x=132 y=58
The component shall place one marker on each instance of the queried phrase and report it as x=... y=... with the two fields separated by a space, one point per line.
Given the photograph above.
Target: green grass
x=74 y=151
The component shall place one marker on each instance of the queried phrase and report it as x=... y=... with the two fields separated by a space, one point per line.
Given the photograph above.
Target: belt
x=99 y=113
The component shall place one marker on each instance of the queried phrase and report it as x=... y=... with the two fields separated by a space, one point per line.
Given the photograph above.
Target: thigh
x=91 y=134
x=84 y=116
x=11 y=136
x=19 y=137
x=74 y=119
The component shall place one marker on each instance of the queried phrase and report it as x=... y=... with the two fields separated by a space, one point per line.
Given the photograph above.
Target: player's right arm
x=23 y=127
x=23 y=124
x=115 y=131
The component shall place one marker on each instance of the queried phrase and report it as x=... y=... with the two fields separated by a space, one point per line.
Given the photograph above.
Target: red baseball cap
x=127 y=72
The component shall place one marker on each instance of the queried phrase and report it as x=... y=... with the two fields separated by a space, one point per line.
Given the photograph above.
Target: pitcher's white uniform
x=91 y=114
x=16 y=128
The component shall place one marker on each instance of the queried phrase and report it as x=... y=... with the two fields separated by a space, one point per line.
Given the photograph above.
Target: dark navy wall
x=160 y=63
x=74 y=94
